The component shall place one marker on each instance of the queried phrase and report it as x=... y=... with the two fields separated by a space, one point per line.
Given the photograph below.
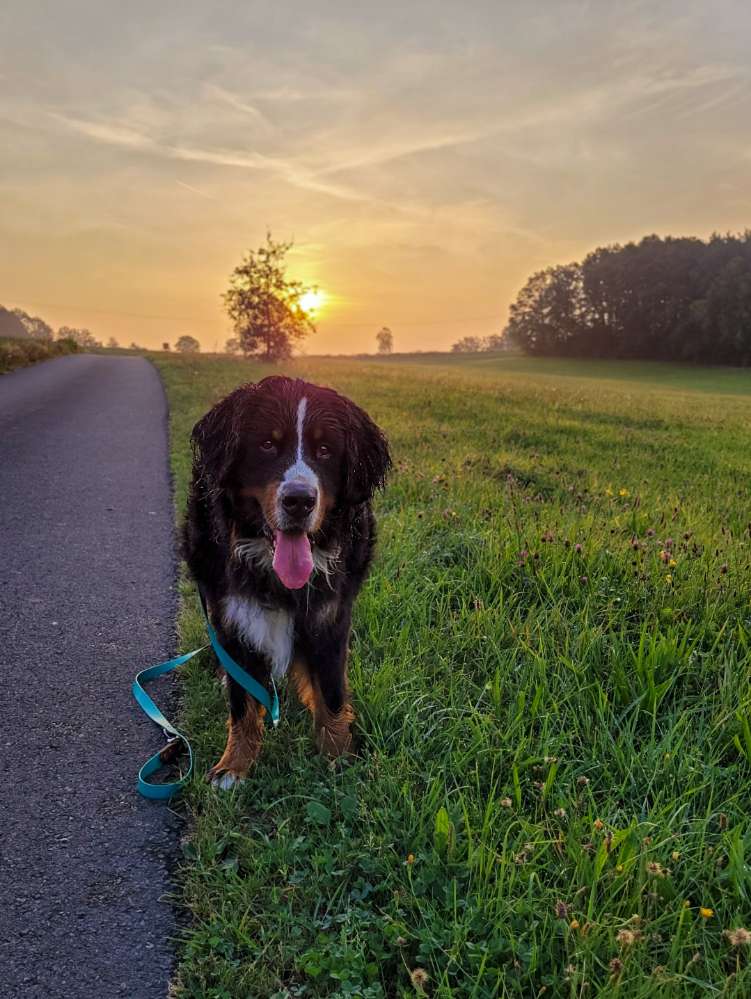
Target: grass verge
x=550 y=666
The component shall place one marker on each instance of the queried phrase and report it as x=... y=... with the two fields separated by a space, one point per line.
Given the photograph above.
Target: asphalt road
x=87 y=597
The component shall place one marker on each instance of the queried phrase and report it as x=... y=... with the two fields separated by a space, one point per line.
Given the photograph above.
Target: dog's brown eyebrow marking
x=277 y=434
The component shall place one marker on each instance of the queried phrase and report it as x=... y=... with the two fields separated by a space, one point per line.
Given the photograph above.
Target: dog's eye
x=322 y=451
x=268 y=447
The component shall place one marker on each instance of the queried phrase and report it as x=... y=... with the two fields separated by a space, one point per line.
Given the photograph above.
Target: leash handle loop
x=160 y=792
x=270 y=702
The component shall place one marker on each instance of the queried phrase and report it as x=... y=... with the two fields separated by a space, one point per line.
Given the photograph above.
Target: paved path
x=86 y=597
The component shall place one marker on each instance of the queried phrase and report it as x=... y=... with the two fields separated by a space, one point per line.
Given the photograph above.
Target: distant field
x=551 y=667
x=648 y=373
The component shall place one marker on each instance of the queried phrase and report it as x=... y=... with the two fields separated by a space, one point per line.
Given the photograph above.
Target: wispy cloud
x=224 y=96
x=117 y=134
x=195 y=190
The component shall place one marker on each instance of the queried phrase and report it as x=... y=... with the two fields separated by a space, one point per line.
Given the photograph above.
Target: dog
x=279 y=535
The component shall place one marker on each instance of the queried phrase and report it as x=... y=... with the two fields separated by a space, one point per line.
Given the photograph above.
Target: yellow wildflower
x=623 y=492
x=706 y=913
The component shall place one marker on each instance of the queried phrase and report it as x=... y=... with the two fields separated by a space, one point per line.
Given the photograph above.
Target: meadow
x=550 y=665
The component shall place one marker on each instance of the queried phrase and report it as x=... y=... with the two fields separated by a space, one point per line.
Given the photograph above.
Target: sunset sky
x=425 y=157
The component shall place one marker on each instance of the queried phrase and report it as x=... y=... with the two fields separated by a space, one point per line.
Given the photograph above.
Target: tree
x=187 y=344
x=264 y=305
x=385 y=340
x=112 y=343
x=496 y=341
x=467 y=345
x=11 y=325
x=83 y=337
x=166 y=347
x=233 y=346
x=35 y=327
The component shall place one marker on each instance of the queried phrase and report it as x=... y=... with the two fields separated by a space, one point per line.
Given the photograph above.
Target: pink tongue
x=293 y=561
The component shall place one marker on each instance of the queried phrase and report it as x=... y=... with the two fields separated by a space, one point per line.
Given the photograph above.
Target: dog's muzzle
x=297 y=502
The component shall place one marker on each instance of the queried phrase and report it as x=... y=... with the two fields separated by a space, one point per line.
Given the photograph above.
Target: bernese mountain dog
x=279 y=536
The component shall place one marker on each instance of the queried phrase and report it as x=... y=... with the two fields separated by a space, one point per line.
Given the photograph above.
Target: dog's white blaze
x=269 y=632
x=300 y=470
x=302 y=407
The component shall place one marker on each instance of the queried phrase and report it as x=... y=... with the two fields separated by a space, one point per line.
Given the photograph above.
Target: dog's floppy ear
x=216 y=439
x=367 y=460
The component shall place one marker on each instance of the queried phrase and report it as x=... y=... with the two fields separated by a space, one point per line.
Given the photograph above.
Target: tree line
x=20 y=325
x=677 y=298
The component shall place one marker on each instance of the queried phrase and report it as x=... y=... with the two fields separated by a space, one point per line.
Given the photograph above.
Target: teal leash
x=161 y=792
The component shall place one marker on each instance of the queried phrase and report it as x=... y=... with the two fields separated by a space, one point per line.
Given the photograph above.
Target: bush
x=21 y=353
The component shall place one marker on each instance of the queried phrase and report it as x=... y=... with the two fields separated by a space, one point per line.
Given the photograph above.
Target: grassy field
x=551 y=668
x=21 y=353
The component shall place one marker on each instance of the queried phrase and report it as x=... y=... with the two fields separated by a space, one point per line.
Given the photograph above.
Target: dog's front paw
x=223 y=778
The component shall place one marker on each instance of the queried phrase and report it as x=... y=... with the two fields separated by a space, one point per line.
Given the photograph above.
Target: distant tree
x=264 y=305
x=467 y=345
x=36 y=327
x=496 y=341
x=166 y=347
x=385 y=340
x=83 y=337
x=187 y=344
x=233 y=346
x=112 y=343
x=135 y=346
x=11 y=325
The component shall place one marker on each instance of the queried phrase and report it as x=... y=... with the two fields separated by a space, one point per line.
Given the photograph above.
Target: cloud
x=117 y=134
x=237 y=103
x=195 y=190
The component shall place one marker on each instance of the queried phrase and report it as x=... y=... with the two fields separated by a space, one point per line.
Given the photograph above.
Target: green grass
x=554 y=720
x=21 y=353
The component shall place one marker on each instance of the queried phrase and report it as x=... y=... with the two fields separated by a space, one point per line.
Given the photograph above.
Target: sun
x=313 y=300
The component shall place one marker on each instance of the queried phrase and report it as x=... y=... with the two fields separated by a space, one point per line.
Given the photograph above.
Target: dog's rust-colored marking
x=243 y=742
x=266 y=498
x=333 y=731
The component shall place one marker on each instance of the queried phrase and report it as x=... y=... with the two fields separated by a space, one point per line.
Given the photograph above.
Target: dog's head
x=285 y=454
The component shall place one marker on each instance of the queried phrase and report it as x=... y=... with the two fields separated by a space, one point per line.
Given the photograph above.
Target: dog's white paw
x=226 y=781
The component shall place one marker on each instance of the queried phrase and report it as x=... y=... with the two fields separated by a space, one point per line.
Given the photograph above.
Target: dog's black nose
x=298 y=499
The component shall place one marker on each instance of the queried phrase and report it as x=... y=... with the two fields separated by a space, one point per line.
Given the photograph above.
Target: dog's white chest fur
x=267 y=631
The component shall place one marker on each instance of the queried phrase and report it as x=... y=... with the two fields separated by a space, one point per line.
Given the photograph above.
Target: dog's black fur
x=242 y=449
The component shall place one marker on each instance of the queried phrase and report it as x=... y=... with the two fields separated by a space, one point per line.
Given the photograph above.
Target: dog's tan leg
x=244 y=736
x=333 y=729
